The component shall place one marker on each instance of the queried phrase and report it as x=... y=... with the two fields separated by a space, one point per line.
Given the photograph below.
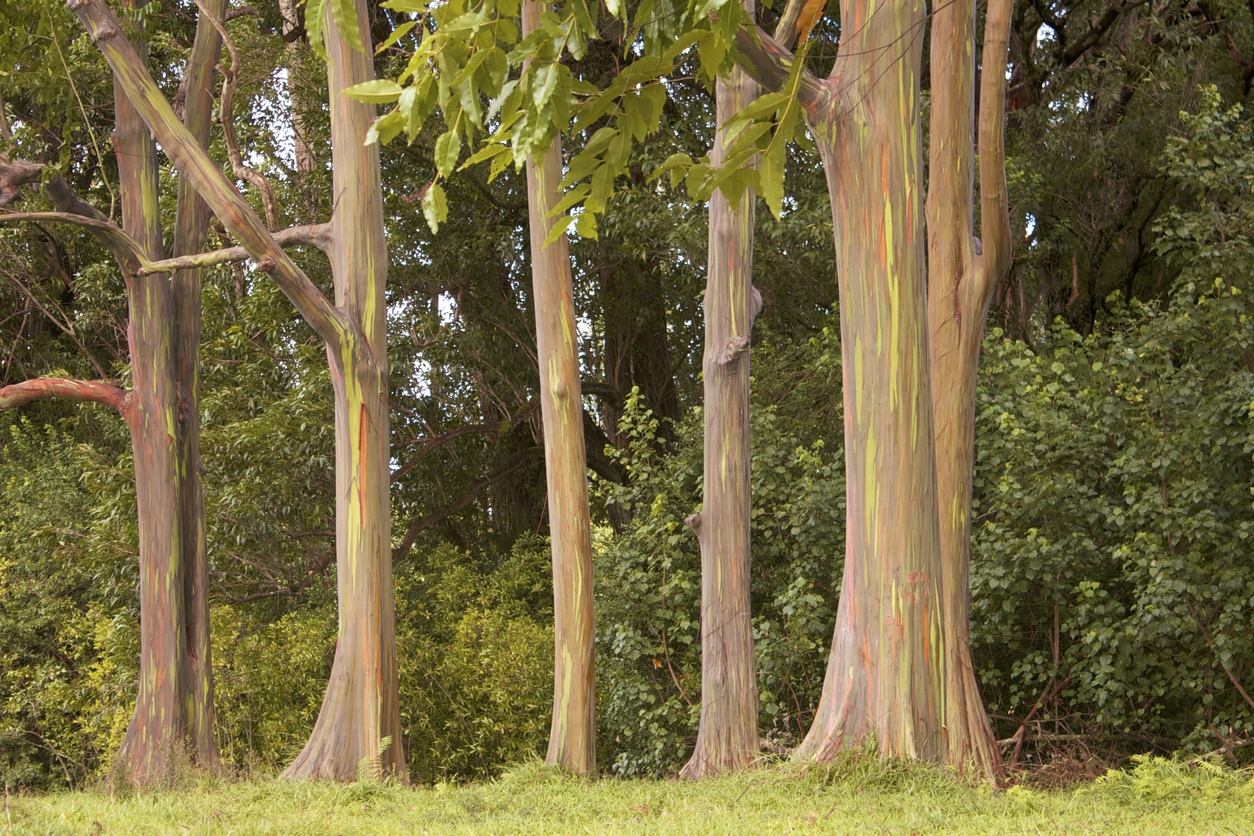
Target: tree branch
x=314 y=235
x=93 y=391
x=193 y=161
x=124 y=248
x=226 y=109
x=768 y=62
x=994 y=201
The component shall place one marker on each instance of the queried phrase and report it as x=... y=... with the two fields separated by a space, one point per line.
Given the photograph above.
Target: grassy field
x=859 y=796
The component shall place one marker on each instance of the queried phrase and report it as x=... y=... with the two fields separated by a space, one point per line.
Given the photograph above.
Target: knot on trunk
x=735 y=348
x=693 y=521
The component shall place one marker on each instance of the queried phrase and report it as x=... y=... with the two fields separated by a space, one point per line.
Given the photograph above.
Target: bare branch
x=314 y=235
x=124 y=247
x=93 y=391
x=227 y=110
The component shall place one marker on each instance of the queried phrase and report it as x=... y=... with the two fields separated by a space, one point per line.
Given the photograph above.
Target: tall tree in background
x=174 y=705
x=727 y=738
x=360 y=718
x=572 y=739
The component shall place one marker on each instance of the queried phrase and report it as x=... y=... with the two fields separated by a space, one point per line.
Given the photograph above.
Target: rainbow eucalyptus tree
x=727 y=734
x=572 y=738
x=359 y=724
x=900 y=673
x=174 y=703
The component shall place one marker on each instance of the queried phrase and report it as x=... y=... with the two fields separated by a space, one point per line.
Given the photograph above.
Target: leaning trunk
x=727 y=738
x=885 y=674
x=358 y=731
x=572 y=738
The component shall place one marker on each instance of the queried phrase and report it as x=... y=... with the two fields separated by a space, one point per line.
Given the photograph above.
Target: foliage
x=1111 y=575
x=476 y=647
x=648 y=583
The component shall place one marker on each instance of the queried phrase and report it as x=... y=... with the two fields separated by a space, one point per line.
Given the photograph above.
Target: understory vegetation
x=857 y=794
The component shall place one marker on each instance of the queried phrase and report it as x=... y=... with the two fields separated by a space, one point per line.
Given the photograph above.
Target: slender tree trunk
x=572 y=738
x=191 y=225
x=727 y=738
x=963 y=273
x=157 y=726
x=360 y=722
x=885 y=675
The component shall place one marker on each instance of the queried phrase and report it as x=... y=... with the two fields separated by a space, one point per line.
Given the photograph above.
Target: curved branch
x=994 y=202
x=314 y=235
x=194 y=162
x=124 y=248
x=92 y=391
x=226 y=109
x=768 y=62
x=426 y=445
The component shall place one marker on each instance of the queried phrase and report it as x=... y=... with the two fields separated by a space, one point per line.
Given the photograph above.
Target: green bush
x=1113 y=493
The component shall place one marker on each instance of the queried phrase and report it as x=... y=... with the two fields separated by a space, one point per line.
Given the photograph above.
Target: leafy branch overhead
x=507 y=97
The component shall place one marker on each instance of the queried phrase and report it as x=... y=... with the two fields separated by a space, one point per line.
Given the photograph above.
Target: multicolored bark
x=727 y=738
x=899 y=673
x=360 y=718
x=572 y=738
x=963 y=271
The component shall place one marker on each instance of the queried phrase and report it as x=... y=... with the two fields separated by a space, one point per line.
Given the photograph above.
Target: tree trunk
x=360 y=723
x=727 y=738
x=157 y=726
x=191 y=224
x=885 y=675
x=572 y=738
x=962 y=276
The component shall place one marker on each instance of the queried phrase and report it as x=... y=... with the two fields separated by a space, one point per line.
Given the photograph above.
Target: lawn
x=860 y=795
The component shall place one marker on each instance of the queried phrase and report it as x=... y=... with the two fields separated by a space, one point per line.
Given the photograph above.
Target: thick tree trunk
x=572 y=738
x=885 y=675
x=727 y=738
x=962 y=276
x=360 y=723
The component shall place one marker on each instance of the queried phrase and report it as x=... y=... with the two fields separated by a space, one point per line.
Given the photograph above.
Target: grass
x=858 y=795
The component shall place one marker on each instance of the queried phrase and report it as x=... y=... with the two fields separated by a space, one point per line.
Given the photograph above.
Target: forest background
x=1112 y=578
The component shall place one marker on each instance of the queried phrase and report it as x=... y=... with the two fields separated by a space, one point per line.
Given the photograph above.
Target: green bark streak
x=572 y=737
x=727 y=738
x=191 y=224
x=158 y=724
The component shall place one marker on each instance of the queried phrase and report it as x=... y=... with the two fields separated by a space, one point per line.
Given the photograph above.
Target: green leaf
x=344 y=12
x=586 y=225
x=447 y=149
x=379 y=91
x=771 y=176
x=397 y=33
x=315 y=16
x=434 y=206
